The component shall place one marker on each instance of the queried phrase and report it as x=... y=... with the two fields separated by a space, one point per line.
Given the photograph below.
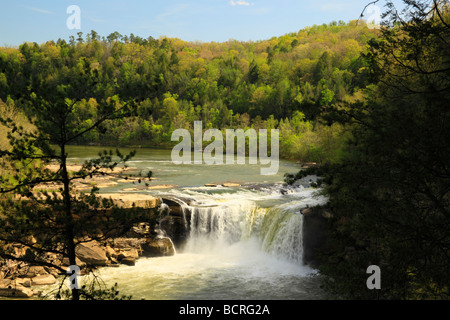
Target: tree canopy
x=226 y=85
x=390 y=195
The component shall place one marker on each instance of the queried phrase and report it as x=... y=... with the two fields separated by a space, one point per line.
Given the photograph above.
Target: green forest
x=283 y=83
x=370 y=106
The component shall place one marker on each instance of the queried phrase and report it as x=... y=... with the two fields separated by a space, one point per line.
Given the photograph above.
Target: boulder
x=158 y=247
x=81 y=264
x=26 y=282
x=16 y=292
x=92 y=253
x=110 y=252
x=128 y=253
x=140 y=230
x=47 y=279
x=124 y=248
x=230 y=184
x=32 y=271
x=128 y=261
x=14 y=289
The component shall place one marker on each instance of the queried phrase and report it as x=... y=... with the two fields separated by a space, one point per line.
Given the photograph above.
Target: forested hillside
x=284 y=82
x=371 y=106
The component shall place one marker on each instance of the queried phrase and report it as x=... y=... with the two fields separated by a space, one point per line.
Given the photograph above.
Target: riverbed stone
x=17 y=291
x=41 y=280
x=230 y=184
x=130 y=253
x=128 y=261
x=92 y=253
x=110 y=252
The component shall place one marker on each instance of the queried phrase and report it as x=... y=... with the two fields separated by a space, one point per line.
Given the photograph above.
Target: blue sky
x=190 y=20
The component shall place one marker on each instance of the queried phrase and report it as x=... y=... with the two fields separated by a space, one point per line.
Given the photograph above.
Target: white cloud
x=173 y=11
x=38 y=10
x=239 y=3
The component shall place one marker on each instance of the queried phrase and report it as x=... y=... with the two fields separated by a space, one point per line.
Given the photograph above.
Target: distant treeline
x=285 y=82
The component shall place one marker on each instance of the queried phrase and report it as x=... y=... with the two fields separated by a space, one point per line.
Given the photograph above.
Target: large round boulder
x=158 y=247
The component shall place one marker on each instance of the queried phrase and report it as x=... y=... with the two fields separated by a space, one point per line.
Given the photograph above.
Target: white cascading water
x=216 y=226
x=277 y=230
x=282 y=234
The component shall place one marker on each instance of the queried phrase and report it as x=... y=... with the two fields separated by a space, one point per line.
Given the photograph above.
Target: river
x=245 y=242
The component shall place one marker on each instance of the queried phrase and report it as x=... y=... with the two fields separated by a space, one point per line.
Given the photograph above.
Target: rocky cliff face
x=315 y=233
x=175 y=221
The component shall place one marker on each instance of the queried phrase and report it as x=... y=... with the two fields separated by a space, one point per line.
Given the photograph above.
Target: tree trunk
x=69 y=219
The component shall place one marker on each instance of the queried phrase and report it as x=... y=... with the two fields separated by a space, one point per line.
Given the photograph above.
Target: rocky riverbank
x=19 y=278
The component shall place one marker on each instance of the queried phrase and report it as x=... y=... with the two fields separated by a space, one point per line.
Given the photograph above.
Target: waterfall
x=277 y=230
x=282 y=233
x=241 y=244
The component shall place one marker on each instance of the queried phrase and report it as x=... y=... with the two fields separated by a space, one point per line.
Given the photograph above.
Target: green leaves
x=390 y=195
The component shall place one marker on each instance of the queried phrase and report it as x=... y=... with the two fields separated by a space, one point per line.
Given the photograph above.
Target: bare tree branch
x=368 y=5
